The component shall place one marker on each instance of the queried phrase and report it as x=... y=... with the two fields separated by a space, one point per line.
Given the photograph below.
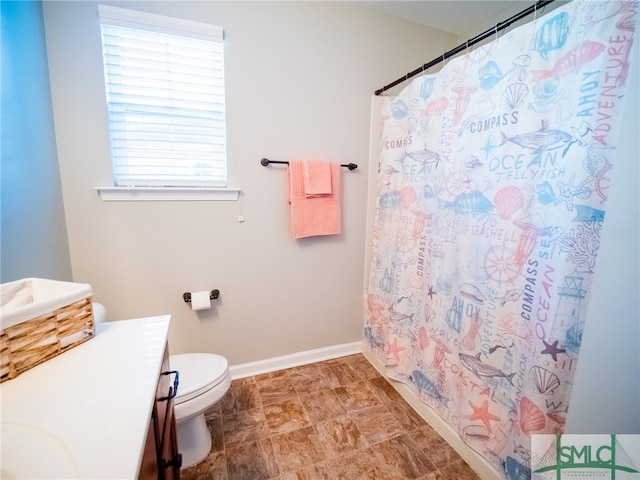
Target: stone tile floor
x=338 y=419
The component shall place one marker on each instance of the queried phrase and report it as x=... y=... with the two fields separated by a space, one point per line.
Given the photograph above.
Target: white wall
x=299 y=77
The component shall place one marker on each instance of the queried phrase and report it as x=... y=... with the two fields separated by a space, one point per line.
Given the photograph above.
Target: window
x=164 y=82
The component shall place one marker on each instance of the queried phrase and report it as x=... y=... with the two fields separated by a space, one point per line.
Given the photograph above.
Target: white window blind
x=165 y=95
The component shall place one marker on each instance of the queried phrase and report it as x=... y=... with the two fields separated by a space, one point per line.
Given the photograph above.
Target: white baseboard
x=294 y=360
x=481 y=466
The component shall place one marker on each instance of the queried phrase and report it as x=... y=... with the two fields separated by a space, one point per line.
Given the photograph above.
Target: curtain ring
x=535 y=11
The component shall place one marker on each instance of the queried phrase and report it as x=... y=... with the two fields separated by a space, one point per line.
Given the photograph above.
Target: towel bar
x=214 y=295
x=265 y=161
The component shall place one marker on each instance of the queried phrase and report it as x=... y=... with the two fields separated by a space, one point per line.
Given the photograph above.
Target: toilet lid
x=198 y=372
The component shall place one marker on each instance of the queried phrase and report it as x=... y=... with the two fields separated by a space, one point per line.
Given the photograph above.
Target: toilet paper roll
x=200 y=300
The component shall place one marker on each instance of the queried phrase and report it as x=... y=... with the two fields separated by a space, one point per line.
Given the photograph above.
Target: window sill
x=156 y=194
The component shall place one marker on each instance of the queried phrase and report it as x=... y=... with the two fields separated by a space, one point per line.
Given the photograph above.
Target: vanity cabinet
x=161 y=459
x=109 y=420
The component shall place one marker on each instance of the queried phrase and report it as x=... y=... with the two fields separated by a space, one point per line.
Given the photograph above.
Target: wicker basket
x=41 y=319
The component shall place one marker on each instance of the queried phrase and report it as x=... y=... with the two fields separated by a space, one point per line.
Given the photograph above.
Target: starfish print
x=394 y=349
x=489 y=146
x=482 y=413
x=552 y=349
x=431 y=293
x=568 y=191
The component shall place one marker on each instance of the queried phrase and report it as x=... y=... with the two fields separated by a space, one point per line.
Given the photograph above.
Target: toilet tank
x=99 y=312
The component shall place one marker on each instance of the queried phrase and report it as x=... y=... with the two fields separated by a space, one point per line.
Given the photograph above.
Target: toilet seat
x=199 y=373
x=204 y=378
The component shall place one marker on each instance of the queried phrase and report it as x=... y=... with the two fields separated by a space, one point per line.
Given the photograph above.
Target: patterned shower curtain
x=492 y=184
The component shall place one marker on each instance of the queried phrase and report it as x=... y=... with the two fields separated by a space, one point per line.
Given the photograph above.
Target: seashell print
x=429 y=314
x=408 y=196
x=531 y=417
x=543 y=381
x=558 y=429
x=471 y=292
x=514 y=95
x=507 y=201
x=475 y=432
x=558 y=415
x=628 y=23
x=476 y=436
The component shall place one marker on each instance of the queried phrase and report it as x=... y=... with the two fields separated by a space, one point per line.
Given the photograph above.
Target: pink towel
x=313 y=215
x=317 y=177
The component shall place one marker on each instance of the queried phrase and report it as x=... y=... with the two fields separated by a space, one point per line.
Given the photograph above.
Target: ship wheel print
x=457 y=183
x=405 y=240
x=602 y=182
x=500 y=265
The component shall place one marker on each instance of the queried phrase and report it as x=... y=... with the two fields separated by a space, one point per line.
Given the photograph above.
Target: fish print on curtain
x=493 y=179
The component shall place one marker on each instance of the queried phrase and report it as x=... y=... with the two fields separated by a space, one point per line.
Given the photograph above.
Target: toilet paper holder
x=213 y=296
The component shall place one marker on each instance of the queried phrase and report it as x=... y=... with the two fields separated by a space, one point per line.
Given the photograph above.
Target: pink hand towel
x=317 y=177
x=314 y=215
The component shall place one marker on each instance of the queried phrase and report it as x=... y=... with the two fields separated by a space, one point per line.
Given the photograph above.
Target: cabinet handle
x=168 y=426
x=173 y=391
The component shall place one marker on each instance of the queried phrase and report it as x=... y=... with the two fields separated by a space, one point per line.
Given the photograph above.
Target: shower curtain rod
x=498 y=27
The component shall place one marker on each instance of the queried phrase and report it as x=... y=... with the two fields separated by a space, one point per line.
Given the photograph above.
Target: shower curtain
x=492 y=184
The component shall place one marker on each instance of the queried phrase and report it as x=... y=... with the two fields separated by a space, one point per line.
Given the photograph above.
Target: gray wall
x=33 y=229
x=299 y=76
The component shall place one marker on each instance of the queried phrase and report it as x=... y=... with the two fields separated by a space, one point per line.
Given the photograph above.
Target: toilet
x=204 y=379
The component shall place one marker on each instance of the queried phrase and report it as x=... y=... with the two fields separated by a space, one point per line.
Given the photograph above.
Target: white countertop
x=96 y=398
